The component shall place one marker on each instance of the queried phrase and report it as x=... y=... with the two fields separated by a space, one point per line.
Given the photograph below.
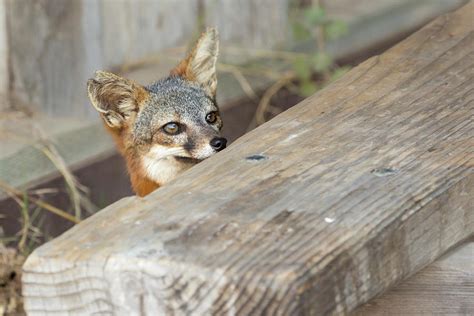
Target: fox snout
x=218 y=143
x=201 y=147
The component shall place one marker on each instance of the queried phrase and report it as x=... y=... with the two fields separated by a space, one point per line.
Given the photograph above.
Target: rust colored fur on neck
x=141 y=185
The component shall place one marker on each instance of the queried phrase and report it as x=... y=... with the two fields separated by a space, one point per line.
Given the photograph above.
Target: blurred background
x=58 y=165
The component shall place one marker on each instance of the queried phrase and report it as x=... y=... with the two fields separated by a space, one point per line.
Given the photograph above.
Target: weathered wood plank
x=4 y=72
x=261 y=24
x=78 y=37
x=445 y=287
x=315 y=212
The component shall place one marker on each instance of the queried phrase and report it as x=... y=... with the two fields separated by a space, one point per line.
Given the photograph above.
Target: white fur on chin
x=163 y=170
x=160 y=165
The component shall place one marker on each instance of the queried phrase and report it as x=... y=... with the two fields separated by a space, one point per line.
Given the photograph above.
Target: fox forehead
x=172 y=99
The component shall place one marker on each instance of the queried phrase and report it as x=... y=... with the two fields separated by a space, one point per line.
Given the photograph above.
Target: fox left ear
x=200 y=65
x=115 y=98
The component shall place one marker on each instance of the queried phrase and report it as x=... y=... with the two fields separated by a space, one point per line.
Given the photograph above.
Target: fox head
x=166 y=127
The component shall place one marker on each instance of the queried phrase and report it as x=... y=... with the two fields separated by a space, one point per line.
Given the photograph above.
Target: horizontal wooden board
x=445 y=287
x=315 y=212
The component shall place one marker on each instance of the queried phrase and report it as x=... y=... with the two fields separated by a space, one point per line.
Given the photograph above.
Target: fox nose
x=218 y=143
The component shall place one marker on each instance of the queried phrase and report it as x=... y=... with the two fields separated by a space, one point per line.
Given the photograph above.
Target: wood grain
x=79 y=37
x=445 y=287
x=316 y=212
x=4 y=73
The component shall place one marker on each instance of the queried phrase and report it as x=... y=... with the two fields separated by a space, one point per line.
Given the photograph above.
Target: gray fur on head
x=169 y=126
x=173 y=99
x=185 y=98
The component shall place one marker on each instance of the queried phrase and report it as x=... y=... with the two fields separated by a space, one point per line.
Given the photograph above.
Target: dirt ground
x=11 y=302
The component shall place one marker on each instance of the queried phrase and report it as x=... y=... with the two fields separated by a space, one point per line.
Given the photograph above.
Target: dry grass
x=31 y=204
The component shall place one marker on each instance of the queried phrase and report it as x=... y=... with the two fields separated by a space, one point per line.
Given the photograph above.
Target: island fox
x=168 y=126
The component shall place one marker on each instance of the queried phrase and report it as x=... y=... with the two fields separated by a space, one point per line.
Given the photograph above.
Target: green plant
x=313 y=23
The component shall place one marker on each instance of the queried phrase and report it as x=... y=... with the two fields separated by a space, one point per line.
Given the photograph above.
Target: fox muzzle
x=218 y=143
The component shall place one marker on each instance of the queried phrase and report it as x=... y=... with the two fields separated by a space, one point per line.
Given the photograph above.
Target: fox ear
x=200 y=64
x=114 y=97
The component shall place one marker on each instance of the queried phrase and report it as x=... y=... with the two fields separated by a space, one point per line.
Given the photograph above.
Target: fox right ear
x=115 y=98
x=200 y=64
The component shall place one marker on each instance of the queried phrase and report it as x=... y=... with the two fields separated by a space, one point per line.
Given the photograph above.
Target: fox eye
x=171 y=128
x=211 y=117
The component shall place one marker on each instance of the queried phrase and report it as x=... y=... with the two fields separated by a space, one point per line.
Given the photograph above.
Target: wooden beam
x=316 y=212
x=445 y=287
